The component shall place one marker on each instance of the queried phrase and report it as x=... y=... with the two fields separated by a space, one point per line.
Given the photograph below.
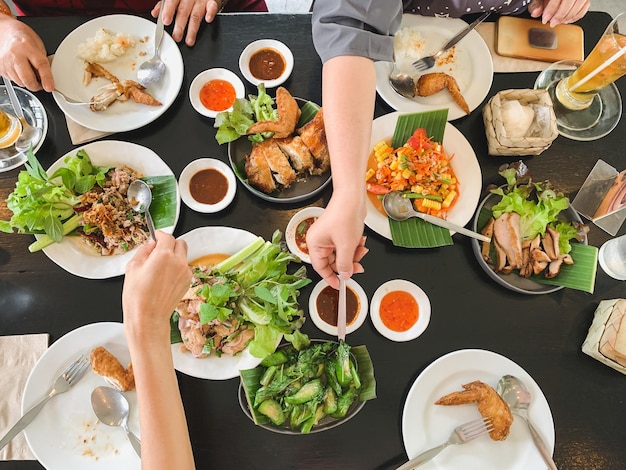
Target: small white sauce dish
x=292 y=230
x=213 y=74
x=423 y=304
x=205 y=164
x=253 y=47
x=359 y=318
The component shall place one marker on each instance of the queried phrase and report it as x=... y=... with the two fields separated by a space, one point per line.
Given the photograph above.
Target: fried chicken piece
x=313 y=134
x=490 y=405
x=432 y=83
x=93 y=69
x=282 y=171
x=135 y=91
x=288 y=115
x=298 y=153
x=106 y=364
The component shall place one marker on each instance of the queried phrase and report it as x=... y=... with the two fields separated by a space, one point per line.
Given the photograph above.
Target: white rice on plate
x=105 y=46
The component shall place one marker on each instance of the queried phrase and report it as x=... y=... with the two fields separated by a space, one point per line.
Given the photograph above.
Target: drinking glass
x=612 y=258
x=586 y=102
x=10 y=129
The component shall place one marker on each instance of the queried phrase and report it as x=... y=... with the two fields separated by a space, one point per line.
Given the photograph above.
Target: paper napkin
x=18 y=356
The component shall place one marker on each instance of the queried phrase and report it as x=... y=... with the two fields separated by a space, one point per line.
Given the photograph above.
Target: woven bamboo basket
x=607 y=320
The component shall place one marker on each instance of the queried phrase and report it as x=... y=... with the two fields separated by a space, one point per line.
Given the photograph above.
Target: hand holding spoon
x=140 y=197
x=111 y=407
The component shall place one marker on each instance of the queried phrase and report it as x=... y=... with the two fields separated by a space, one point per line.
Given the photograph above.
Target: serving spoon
x=517 y=396
x=152 y=69
x=401 y=82
x=140 y=196
x=112 y=408
x=400 y=208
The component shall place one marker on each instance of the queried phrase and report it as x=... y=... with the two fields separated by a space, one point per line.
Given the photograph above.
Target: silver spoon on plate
x=140 y=196
x=153 y=69
x=112 y=408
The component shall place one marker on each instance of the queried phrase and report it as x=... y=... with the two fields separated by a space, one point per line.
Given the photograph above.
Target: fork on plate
x=74 y=102
x=460 y=435
x=62 y=384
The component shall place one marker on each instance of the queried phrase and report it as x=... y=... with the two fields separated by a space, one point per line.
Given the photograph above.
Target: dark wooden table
x=543 y=334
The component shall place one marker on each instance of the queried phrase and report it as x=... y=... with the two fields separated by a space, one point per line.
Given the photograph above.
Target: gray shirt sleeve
x=355 y=27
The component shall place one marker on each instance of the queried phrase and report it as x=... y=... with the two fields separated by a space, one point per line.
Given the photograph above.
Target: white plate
x=330 y=329
x=464 y=164
x=72 y=254
x=426 y=425
x=204 y=164
x=66 y=435
x=472 y=67
x=246 y=54
x=292 y=226
x=201 y=242
x=423 y=304
x=206 y=76
x=67 y=70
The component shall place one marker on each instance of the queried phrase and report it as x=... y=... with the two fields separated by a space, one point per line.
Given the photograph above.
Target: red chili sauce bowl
x=214 y=91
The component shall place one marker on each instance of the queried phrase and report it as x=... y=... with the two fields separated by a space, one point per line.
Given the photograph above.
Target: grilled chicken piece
x=277 y=161
x=314 y=137
x=135 y=91
x=298 y=153
x=486 y=246
x=93 y=69
x=432 y=83
x=508 y=242
x=238 y=343
x=258 y=171
x=490 y=405
x=288 y=115
x=106 y=364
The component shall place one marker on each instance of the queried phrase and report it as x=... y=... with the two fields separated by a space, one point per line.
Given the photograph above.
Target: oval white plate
x=207 y=76
x=472 y=68
x=204 y=164
x=66 y=435
x=465 y=166
x=426 y=425
x=200 y=242
x=423 y=313
x=72 y=254
x=244 y=61
x=332 y=330
x=67 y=70
x=292 y=226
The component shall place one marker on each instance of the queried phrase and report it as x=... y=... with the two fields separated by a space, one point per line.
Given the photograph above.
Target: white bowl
x=328 y=328
x=207 y=76
x=204 y=164
x=244 y=61
x=292 y=227
x=423 y=304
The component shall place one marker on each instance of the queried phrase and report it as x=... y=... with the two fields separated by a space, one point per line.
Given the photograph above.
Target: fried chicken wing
x=288 y=115
x=490 y=405
x=432 y=83
x=106 y=364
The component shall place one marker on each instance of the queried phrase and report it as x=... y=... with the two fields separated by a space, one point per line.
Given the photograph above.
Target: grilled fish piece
x=298 y=153
x=314 y=137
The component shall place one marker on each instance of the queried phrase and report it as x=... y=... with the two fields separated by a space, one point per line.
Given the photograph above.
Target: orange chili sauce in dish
x=208 y=186
x=267 y=64
x=217 y=95
x=327 y=304
x=301 y=231
x=209 y=260
x=399 y=310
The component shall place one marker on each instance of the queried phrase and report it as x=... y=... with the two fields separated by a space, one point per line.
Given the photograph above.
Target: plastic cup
x=612 y=258
x=10 y=129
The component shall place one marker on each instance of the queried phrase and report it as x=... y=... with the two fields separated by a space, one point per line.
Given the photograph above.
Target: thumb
x=344 y=263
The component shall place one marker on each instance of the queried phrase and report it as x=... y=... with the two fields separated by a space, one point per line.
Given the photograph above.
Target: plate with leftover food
x=67 y=433
x=115 y=45
x=425 y=424
x=73 y=254
x=286 y=168
x=464 y=164
x=468 y=67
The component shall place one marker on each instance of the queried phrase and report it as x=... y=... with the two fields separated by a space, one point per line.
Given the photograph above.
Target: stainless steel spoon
x=112 y=408
x=400 y=208
x=152 y=69
x=140 y=196
x=30 y=135
x=401 y=82
x=517 y=396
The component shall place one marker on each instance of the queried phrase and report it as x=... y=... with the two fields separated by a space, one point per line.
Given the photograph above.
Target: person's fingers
x=535 y=8
x=193 y=25
x=42 y=66
x=212 y=9
x=26 y=75
x=181 y=247
x=143 y=253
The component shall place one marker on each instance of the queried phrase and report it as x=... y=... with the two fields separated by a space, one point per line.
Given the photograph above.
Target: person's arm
x=558 y=11
x=156 y=279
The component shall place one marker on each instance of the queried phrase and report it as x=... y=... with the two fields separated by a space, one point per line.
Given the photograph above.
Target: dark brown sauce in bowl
x=267 y=64
x=327 y=303
x=208 y=186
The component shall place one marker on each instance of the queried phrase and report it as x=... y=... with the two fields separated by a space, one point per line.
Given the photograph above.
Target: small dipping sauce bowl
x=214 y=91
x=323 y=306
x=207 y=185
x=400 y=310
x=266 y=61
x=10 y=129
x=295 y=234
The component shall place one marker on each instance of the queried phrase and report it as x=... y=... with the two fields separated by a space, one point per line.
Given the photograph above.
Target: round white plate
x=246 y=54
x=66 y=435
x=213 y=74
x=292 y=226
x=426 y=425
x=423 y=304
x=472 y=67
x=204 y=164
x=330 y=329
x=34 y=113
x=72 y=254
x=464 y=164
x=200 y=242
x=67 y=70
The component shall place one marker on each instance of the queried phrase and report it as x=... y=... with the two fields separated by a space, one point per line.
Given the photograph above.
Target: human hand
x=558 y=11
x=336 y=243
x=156 y=279
x=189 y=14
x=23 y=57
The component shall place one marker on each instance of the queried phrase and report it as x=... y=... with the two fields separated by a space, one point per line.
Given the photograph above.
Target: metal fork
x=461 y=434
x=428 y=62
x=62 y=384
x=74 y=102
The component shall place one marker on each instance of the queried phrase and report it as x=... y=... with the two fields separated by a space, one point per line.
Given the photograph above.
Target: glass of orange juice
x=10 y=129
x=586 y=102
